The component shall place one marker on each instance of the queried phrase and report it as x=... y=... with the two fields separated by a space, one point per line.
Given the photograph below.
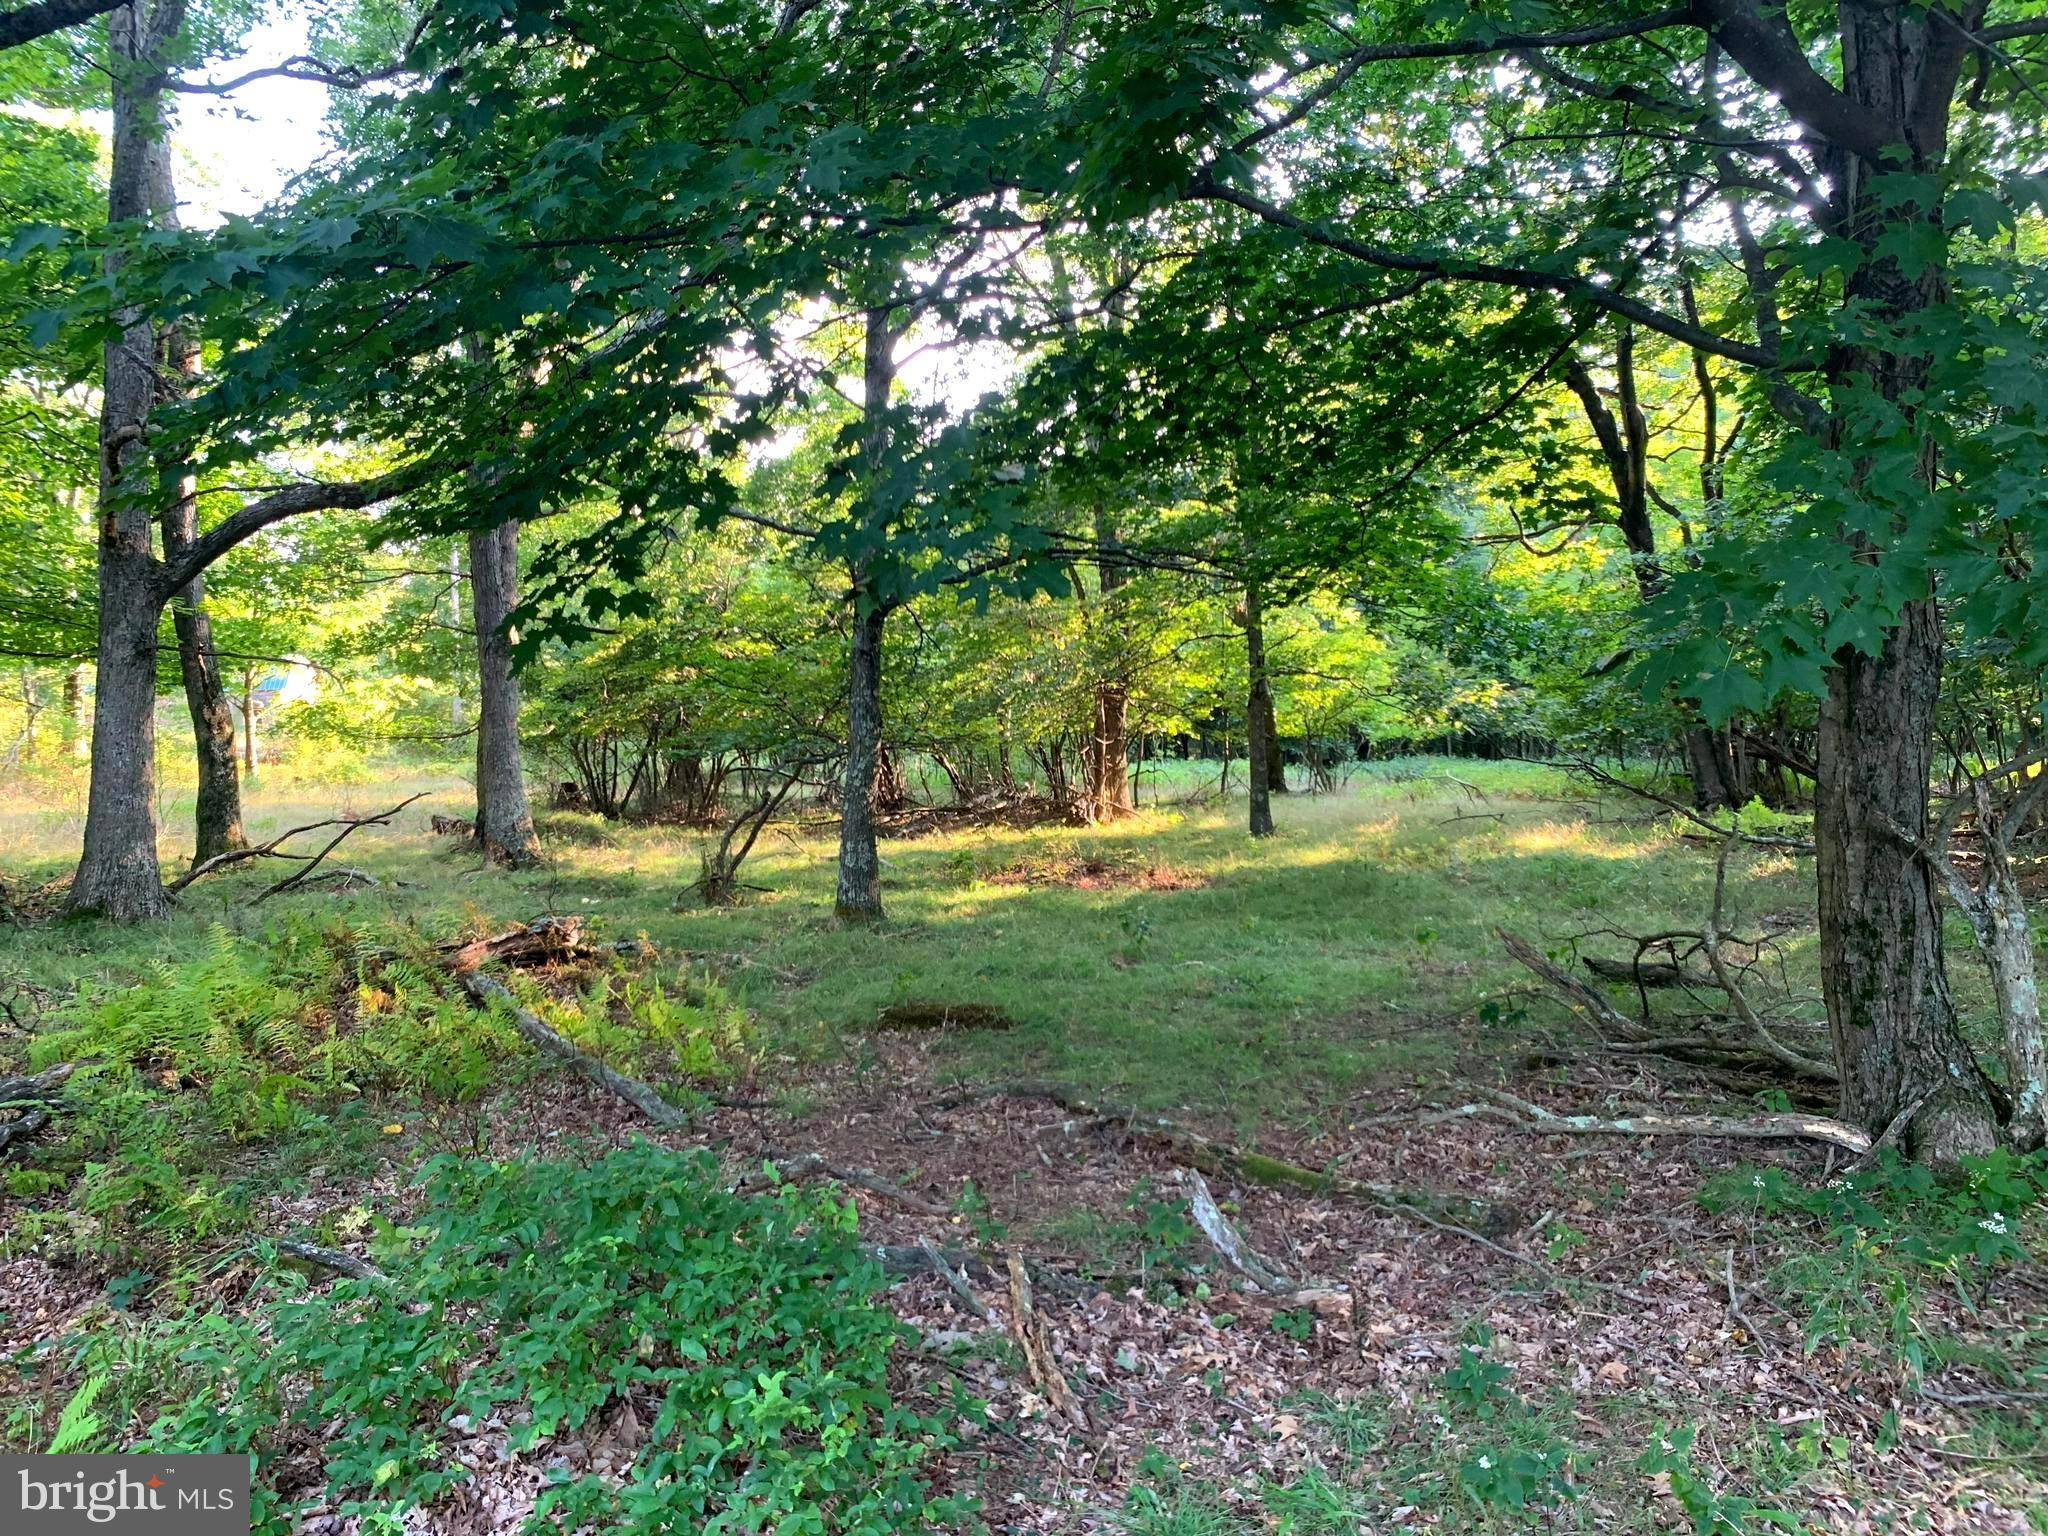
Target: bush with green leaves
x=1889 y=1227
x=743 y=1330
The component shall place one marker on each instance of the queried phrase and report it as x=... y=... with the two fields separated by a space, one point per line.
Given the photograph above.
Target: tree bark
x=1258 y=713
x=218 y=811
x=455 y=627
x=1108 y=753
x=1276 y=759
x=75 y=734
x=1710 y=760
x=1889 y=1009
x=117 y=873
x=859 y=895
x=504 y=820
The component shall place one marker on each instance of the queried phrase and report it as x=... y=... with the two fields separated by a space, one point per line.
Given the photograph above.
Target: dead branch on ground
x=1229 y=1242
x=274 y=849
x=1526 y=1116
x=483 y=992
x=544 y=941
x=336 y=1259
x=1034 y=1338
x=1743 y=1039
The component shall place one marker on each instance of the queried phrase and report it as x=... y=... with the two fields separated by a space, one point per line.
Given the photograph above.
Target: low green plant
x=691 y=1030
x=553 y=1292
x=1515 y=1478
x=1476 y=1384
x=1887 y=1230
x=1713 y=1512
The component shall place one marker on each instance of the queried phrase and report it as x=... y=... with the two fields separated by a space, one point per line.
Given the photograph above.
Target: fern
x=78 y=1426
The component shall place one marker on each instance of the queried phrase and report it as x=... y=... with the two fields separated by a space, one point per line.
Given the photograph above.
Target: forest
x=1175 y=767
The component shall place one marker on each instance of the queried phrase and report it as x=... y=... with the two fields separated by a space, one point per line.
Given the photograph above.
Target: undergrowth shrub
x=263 y=1029
x=256 y=1039
x=743 y=1332
x=1887 y=1230
x=689 y=1029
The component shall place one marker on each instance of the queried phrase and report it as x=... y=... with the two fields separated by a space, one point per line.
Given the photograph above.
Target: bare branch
x=29 y=22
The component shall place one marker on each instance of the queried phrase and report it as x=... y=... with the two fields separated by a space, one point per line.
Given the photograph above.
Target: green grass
x=1352 y=950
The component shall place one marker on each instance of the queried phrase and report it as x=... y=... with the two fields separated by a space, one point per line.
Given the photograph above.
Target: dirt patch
x=943 y=1016
x=1096 y=872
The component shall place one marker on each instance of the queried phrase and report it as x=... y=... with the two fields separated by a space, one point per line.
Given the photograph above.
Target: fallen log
x=544 y=941
x=36 y=1087
x=483 y=992
x=1644 y=973
x=21 y=1128
x=336 y=1259
x=1778 y=1127
x=29 y=1094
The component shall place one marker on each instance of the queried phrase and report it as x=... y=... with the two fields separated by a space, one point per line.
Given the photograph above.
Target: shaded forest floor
x=1642 y=1335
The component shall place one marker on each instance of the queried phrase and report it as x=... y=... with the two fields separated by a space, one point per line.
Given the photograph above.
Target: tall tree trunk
x=1710 y=761
x=1258 y=713
x=75 y=734
x=117 y=873
x=218 y=811
x=859 y=896
x=1889 y=1009
x=504 y=821
x=1276 y=759
x=455 y=628
x=1108 y=751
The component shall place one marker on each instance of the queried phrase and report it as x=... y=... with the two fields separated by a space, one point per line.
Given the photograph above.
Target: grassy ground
x=1315 y=993
x=1343 y=954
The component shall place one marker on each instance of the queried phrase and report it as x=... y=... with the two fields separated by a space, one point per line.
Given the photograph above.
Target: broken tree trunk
x=1996 y=908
